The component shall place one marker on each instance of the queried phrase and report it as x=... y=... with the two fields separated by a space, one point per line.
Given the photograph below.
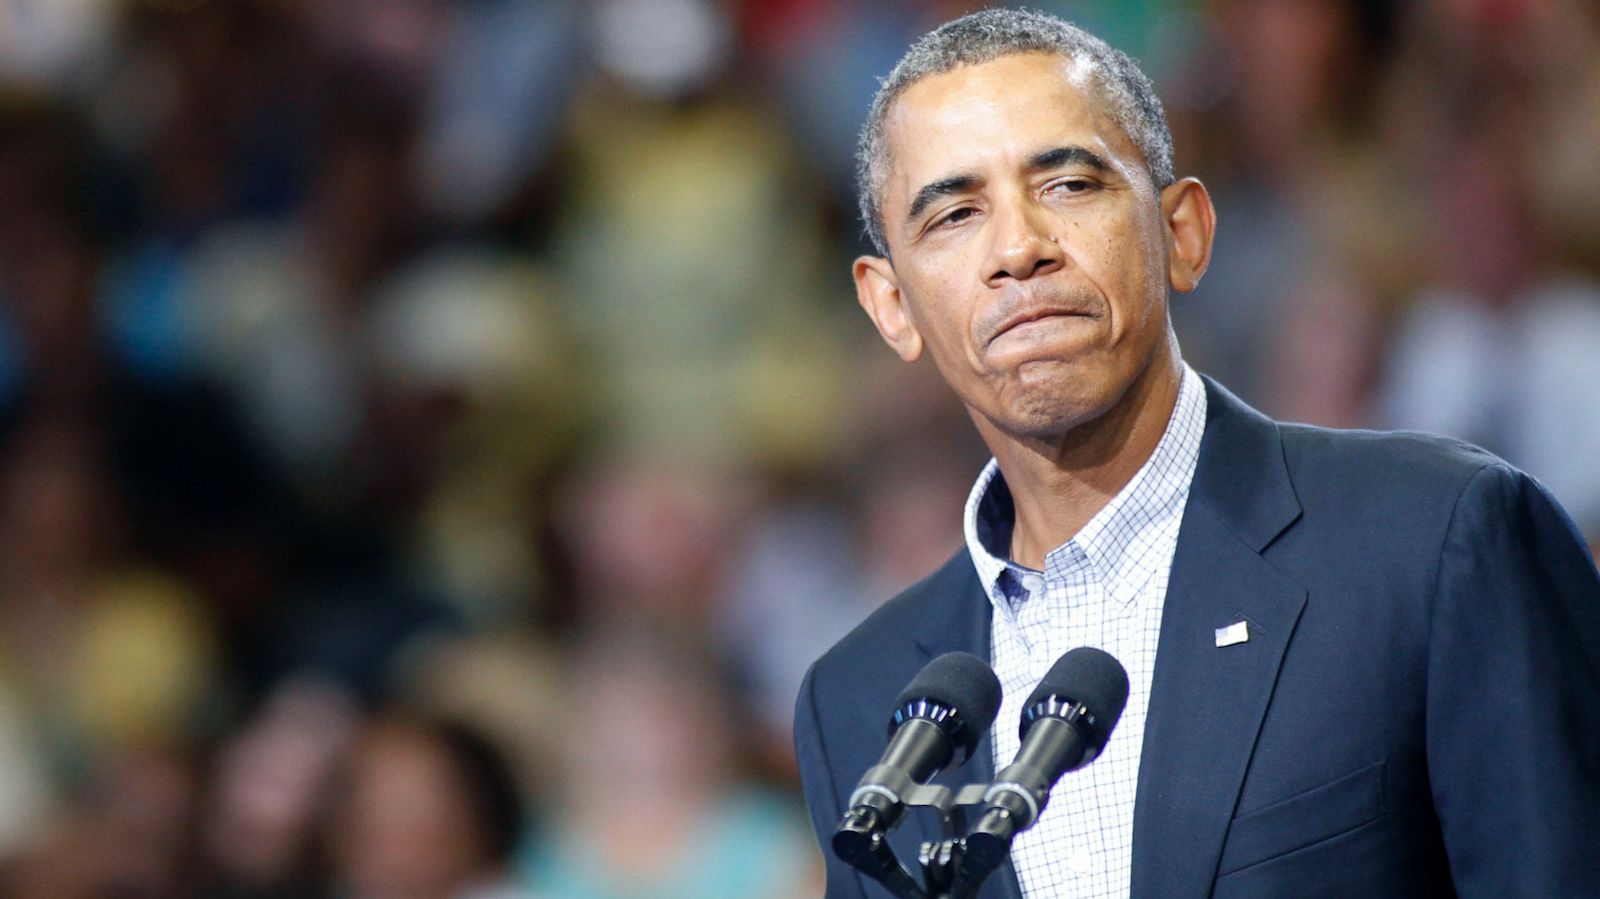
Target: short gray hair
x=988 y=35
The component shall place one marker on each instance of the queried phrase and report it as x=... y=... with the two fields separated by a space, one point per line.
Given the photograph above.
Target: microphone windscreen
x=1092 y=677
x=961 y=681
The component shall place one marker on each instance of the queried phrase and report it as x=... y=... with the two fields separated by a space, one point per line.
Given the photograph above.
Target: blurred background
x=435 y=435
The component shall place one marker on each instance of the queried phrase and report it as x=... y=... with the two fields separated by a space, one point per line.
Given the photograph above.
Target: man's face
x=1030 y=248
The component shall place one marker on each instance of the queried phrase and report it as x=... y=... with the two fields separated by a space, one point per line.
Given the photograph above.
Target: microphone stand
x=947 y=871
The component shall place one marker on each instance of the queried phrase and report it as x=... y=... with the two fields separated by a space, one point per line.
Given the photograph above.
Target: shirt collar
x=1152 y=499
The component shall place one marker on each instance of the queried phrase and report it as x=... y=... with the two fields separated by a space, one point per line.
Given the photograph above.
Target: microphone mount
x=863 y=845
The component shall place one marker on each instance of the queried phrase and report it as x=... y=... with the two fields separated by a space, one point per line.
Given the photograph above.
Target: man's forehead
x=1015 y=99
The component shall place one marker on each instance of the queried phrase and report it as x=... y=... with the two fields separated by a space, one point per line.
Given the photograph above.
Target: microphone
x=947 y=707
x=1065 y=723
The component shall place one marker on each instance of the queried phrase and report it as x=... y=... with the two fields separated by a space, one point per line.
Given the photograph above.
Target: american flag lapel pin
x=1237 y=632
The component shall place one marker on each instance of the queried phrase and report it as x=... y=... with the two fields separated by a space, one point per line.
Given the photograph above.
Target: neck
x=1058 y=484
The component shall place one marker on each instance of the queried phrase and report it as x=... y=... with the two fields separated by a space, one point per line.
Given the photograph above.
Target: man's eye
x=1072 y=186
x=955 y=216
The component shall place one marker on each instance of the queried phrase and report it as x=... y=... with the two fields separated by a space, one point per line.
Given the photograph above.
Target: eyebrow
x=944 y=187
x=1056 y=157
x=1053 y=158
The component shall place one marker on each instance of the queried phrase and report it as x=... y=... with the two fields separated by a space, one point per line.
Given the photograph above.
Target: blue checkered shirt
x=1104 y=588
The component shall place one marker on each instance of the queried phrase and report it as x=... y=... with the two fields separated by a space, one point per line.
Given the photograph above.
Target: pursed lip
x=1030 y=313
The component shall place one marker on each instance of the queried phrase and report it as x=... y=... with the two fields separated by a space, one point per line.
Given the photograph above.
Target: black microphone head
x=959 y=682
x=1089 y=677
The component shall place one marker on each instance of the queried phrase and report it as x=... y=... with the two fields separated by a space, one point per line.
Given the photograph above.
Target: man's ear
x=878 y=292
x=1191 y=223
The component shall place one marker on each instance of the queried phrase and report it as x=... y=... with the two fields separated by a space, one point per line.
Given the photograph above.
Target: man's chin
x=1047 y=410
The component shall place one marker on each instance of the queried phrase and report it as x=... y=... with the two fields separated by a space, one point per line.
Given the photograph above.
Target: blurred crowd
x=435 y=435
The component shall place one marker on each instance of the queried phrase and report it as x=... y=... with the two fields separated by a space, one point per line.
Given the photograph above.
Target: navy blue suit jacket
x=1416 y=712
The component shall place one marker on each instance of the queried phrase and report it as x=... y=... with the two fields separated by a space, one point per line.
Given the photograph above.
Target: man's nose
x=1021 y=244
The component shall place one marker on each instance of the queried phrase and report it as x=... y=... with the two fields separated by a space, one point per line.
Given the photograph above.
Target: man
x=1360 y=664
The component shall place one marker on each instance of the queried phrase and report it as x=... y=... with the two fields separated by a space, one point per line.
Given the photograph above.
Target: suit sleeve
x=1513 y=697
x=816 y=778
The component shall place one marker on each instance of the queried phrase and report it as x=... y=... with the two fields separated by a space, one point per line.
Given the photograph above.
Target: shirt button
x=1079 y=861
x=1032 y=583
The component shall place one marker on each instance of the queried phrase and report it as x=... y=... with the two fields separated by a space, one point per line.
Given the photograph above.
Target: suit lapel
x=1206 y=705
x=961 y=622
x=1207 y=702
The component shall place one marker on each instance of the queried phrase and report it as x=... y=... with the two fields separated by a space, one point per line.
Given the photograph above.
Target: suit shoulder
x=1401 y=465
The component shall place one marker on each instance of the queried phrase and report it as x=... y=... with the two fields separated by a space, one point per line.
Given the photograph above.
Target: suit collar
x=1241 y=473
